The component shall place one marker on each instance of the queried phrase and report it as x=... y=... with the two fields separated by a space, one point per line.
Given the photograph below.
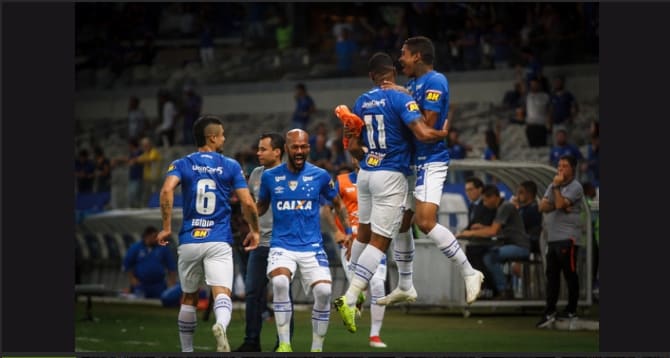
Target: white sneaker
x=473 y=284
x=221 y=339
x=398 y=295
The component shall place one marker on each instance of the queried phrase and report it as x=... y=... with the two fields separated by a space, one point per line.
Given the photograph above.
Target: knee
x=425 y=224
x=322 y=291
x=280 y=284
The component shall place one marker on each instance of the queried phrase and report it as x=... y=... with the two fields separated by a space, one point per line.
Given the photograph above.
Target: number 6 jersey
x=207 y=180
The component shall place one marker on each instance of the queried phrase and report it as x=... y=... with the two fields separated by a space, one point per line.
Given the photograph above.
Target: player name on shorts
x=202 y=223
x=206 y=169
x=294 y=205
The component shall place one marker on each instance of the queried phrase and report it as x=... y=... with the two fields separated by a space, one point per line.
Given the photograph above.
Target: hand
x=251 y=241
x=347 y=245
x=340 y=238
x=558 y=179
x=390 y=85
x=462 y=234
x=163 y=237
x=476 y=226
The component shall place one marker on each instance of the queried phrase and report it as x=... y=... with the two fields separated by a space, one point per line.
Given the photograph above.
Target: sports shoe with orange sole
x=350 y=120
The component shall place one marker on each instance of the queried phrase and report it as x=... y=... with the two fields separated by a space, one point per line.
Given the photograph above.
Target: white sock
x=363 y=271
x=320 y=314
x=282 y=307
x=357 y=248
x=376 y=311
x=223 y=309
x=345 y=264
x=403 y=254
x=447 y=243
x=186 y=322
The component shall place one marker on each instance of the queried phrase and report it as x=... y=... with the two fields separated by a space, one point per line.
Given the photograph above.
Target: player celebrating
x=430 y=89
x=208 y=180
x=294 y=189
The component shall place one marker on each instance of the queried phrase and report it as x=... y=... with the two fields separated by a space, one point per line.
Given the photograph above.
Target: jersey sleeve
x=264 y=191
x=327 y=186
x=174 y=169
x=436 y=93
x=405 y=106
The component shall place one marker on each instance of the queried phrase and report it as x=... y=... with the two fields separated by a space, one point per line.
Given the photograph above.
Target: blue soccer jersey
x=207 y=180
x=387 y=115
x=431 y=92
x=294 y=199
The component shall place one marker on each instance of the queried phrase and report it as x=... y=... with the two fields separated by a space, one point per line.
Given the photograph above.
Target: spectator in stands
x=507 y=227
x=492 y=140
x=207 y=45
x=191 y=112
x=136 y=118
x=345 y=51
x=304 y=107
x=103 y=171
x=135 y=172
x=537 y=115
x=151 y=268
x=150 y=159
x=320 y=155
x=563 y=107
x=284 y=33
x=166 y=131
x=84 y=169
x=470 y=45
x=591 y=167
x=526 y=203
x=562 y=147
x=501 y=46
x=514 y=98
x=562 y=204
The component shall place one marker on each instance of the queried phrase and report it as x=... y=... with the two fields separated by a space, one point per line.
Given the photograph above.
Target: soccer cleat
x=398 y=295
x=376 y=342
x=316 y=350
x=473 y=284
x=546 y=320
x=350 y=120
x=284 y=347
x=347 y=313
x=221 y=339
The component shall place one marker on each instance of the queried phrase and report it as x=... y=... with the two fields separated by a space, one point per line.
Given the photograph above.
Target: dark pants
x=256 y=282
x=536 y=135
x=562 y=257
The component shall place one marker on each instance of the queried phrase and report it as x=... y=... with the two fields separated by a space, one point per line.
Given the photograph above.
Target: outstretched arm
x=166 y=202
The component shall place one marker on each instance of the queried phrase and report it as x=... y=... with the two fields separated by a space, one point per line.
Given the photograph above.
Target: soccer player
x=345 y=185
x=383 y=149
x=294 y=189
x=270 y=152
x=430 y=89
x=208 y=179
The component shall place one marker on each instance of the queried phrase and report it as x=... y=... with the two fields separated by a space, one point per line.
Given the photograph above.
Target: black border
x=37 y=177
x=37 y=108
x=634 y=253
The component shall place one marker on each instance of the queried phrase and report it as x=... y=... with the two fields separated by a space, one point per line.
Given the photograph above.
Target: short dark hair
x=530 y=187
x=424 y=46
x=478 y=183
x=490 y=190
x=277 y=141
x=380 y=63
x=149 y=230
x=301 y=86
x=570 y=159
x=200 y=125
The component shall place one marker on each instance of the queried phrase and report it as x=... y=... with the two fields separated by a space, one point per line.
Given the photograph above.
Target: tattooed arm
x=166 y=202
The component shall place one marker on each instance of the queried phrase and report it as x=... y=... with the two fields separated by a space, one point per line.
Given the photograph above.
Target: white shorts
x=410 y=204
x=381 y=200
x=313 y=265
x=430 y=179
x=211 y=261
